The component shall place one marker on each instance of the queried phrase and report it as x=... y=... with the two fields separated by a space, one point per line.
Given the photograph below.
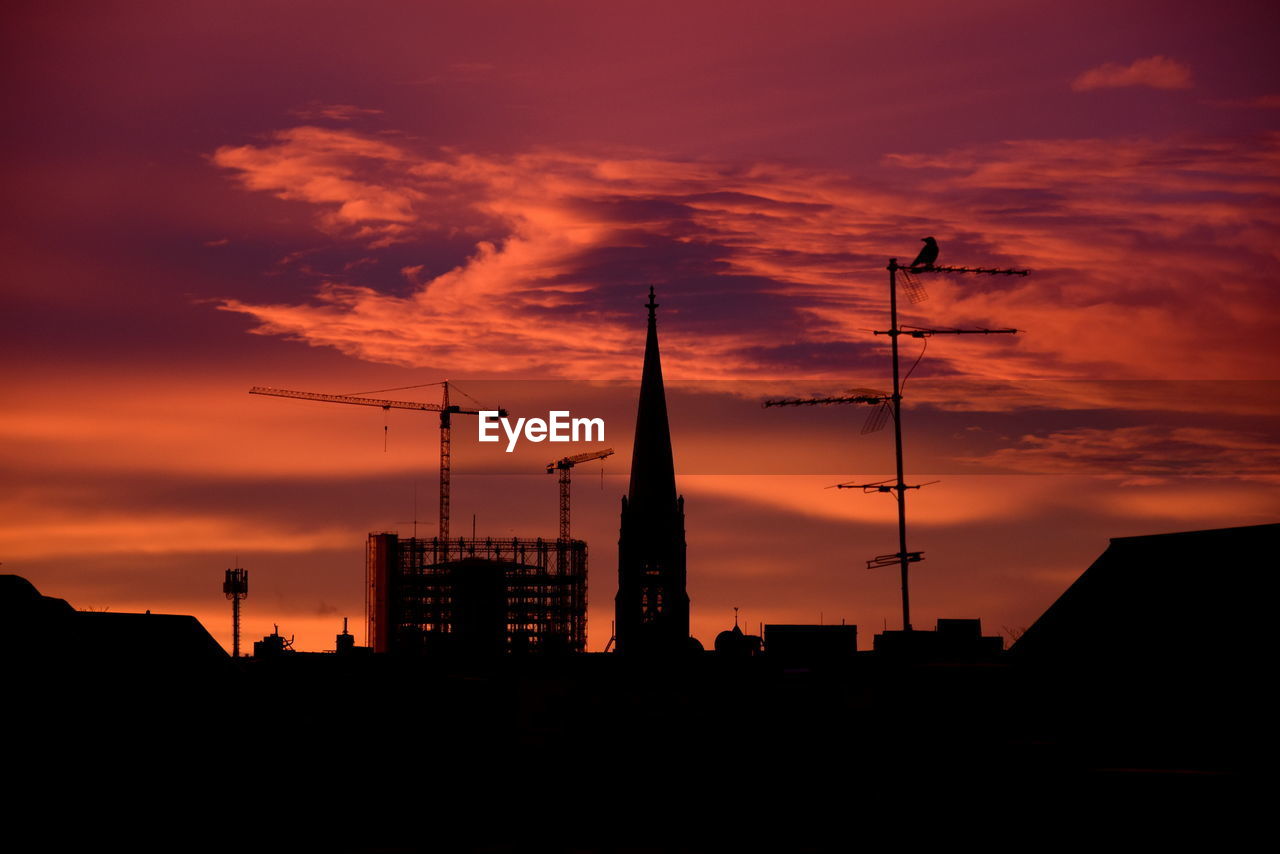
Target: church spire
x=652 y=607
x=653 y=474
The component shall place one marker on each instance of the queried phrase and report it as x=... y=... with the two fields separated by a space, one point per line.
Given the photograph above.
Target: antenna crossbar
x=895 y=559
x=982 y=271
x=824 y=401
x=917 y=332
x=881 y=486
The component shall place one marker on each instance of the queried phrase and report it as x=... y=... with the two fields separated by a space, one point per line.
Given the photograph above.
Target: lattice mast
x=236 y=588
x=564 y=466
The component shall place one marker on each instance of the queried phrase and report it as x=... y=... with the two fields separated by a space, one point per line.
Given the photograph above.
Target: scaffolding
x=491 y=596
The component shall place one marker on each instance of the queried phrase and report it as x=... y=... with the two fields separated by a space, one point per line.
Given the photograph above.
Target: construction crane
x=564 y=466
x=445 y=408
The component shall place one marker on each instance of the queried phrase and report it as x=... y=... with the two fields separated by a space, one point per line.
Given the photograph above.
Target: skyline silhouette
x=1107 y=708
x=465 y=205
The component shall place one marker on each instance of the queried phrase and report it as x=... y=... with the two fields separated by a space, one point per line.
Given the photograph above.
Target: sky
x=346 y=197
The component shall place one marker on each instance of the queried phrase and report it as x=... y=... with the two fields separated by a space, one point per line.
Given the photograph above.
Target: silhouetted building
x=487 y=598
x=1158 y=655
x=273 y=645
x=345 y=643
x=1166 y=599
x=46 y=629
x=952 y=640
x=652 y=607
x=809 y=644
x=734 y=643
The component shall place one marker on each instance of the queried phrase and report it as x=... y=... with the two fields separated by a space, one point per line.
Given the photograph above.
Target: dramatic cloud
x=332 y=168
x=1129 y=240
x=1157 y=72
x=398 y=193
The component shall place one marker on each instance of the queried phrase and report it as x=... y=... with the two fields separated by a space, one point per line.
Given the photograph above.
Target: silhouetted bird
x=928 y=254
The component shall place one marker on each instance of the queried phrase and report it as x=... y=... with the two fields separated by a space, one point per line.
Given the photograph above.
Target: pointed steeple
x=652 y=607
x=653 y=472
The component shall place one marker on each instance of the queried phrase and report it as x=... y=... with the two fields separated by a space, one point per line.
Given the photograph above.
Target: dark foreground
x=597 y=753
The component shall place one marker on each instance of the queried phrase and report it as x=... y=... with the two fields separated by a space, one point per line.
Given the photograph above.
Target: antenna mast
x=915 y=293
x=891 y=404
x=236 y=587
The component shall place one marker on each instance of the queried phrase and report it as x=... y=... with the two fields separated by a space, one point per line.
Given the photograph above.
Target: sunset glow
x=205 y=198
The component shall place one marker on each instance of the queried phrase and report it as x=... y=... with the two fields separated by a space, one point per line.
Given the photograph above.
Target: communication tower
x=236 y=587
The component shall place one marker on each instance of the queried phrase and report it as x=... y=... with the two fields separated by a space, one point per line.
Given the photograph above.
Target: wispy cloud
x=1141 y=453
x=333 y=112
x=336 y=169
x=154 y=532
x=1257 y=102
x=1156 y=72
x=779 y=270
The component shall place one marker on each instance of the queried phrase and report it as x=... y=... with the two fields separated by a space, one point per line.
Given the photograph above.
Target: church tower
x=652 y=607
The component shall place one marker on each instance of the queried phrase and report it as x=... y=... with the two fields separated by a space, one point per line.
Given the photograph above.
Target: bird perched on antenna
x=927 y=255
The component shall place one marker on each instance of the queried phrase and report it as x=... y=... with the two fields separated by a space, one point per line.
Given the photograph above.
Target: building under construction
x=477 y=596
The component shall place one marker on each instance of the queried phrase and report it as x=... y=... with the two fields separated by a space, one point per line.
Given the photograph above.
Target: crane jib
x=365 y=401
x=444 y=408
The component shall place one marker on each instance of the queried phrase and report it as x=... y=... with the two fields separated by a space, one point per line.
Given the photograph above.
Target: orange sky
x=202 y=200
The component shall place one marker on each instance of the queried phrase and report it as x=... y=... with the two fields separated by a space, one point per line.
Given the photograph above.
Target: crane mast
x=446 y=450
x=565 y=466
x=445 y=408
